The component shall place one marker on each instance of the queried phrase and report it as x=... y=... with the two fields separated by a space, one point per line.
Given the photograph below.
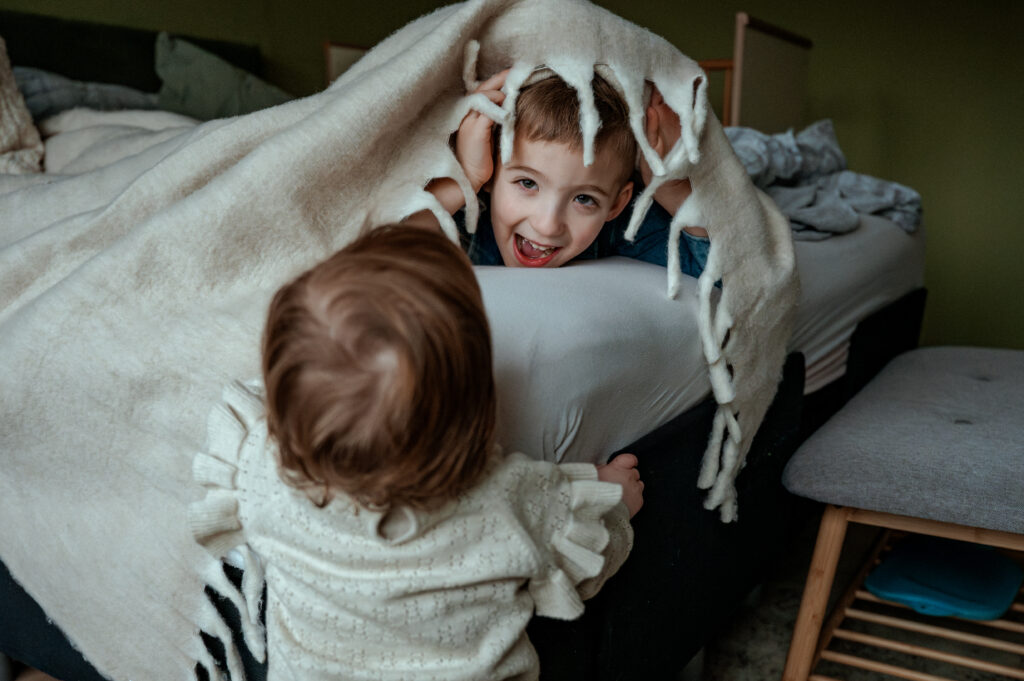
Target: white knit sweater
x=358 y=594
x=21 y=150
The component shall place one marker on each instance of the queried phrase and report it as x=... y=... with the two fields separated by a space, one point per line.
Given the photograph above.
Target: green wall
x=928 y=94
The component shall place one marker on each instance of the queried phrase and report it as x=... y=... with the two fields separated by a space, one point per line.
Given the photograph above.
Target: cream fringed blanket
x=132 y=293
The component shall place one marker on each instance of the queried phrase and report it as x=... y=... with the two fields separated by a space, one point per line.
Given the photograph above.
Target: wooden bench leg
x=802 y=648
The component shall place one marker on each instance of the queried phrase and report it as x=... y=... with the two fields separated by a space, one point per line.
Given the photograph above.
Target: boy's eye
x=526 y=183
x=586 y=200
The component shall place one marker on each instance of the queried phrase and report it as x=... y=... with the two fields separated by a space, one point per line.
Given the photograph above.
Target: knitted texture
x=359 y=594
x=129 y=294
x=21 y=150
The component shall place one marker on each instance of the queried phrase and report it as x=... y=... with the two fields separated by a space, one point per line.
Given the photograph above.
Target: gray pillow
x=202 y=85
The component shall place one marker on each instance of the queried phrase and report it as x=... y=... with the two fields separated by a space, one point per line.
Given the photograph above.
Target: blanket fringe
x=580 y=77
x=723 y=455
x=214 y=625
x=641 y=205
x=469 y=59
x=517 y=75
x=674 y=266
x=425 y=200
x=247 y=601
x=209 y=664
x=252 y=593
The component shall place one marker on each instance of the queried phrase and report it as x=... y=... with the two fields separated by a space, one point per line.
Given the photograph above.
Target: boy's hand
x=473 y=150
x=473 y=146
x=622 y=470
x=663 y=131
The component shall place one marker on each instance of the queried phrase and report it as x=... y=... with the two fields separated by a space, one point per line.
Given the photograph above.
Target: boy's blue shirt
x=650 y=244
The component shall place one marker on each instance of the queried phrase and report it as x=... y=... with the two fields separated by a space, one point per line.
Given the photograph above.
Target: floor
x=754 y=648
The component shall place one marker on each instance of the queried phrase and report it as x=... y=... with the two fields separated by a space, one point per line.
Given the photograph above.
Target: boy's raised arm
x=473 y=142
x=662 y=127
x=474 y=151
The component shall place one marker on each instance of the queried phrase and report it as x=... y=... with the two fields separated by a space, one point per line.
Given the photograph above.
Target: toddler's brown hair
x=377 y=366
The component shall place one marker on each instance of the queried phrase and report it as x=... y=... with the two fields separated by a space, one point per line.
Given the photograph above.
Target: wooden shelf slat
x=922 y=651
x=933 y=630
x=882 y=667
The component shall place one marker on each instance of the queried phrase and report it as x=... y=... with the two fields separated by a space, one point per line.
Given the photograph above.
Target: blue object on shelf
x=947 y=578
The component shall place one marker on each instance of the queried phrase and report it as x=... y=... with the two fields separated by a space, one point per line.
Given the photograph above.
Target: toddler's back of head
x=377 y=366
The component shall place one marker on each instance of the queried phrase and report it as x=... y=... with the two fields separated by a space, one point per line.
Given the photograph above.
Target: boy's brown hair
x=377 y=366
x=549 y=111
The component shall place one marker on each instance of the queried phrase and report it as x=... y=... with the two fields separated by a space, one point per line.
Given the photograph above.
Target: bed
x=576 y=384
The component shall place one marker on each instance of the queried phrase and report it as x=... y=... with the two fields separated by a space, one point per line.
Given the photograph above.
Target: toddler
x=545 y=207
x=405 y=544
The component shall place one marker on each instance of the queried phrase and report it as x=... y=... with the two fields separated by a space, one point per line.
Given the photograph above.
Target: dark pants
x=27 y=636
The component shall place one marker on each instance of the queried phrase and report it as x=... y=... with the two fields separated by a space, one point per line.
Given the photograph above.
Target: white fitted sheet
x=845 y=279
x=590 y=357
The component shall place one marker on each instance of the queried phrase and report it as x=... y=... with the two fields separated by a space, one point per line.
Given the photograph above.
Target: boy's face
x=546 y=207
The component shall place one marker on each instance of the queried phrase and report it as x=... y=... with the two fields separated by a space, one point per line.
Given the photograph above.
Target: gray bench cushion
x=938 y=434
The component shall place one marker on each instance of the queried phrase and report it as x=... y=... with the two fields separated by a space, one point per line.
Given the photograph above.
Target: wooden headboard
x=765 y=79
x=93 y=52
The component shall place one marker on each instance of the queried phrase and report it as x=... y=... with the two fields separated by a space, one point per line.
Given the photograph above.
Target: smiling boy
x=546 y=207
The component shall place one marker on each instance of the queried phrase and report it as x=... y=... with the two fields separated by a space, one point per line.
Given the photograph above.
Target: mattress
x=590 y=357
x=845 y=279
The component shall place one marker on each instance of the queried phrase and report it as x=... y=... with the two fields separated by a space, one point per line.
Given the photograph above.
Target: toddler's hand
x=473 y=146
x=622 y=470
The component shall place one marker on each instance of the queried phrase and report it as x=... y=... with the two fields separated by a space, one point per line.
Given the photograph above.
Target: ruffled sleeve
x=591 y=537
x=214 y=519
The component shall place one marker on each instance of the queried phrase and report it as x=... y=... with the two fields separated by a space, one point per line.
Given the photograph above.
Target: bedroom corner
x=921 y=95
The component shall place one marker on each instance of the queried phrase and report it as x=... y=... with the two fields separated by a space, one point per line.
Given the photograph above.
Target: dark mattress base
x=688 y=572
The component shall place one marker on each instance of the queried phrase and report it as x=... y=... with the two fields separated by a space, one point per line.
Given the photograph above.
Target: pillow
x=21 y=149
x=202 y=85
x=48 y=94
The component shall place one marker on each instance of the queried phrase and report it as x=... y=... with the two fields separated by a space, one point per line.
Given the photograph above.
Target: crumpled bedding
x=806 y=175
x=80 y=140
x=47 y=94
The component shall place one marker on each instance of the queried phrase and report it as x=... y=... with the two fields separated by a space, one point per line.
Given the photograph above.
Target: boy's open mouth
x=530 y=254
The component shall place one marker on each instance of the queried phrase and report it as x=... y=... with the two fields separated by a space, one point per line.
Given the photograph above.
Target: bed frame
x=104 y=54
x=765 y=80
x=688 y=572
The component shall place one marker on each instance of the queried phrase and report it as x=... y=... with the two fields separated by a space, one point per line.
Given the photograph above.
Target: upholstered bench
x=933 y=445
